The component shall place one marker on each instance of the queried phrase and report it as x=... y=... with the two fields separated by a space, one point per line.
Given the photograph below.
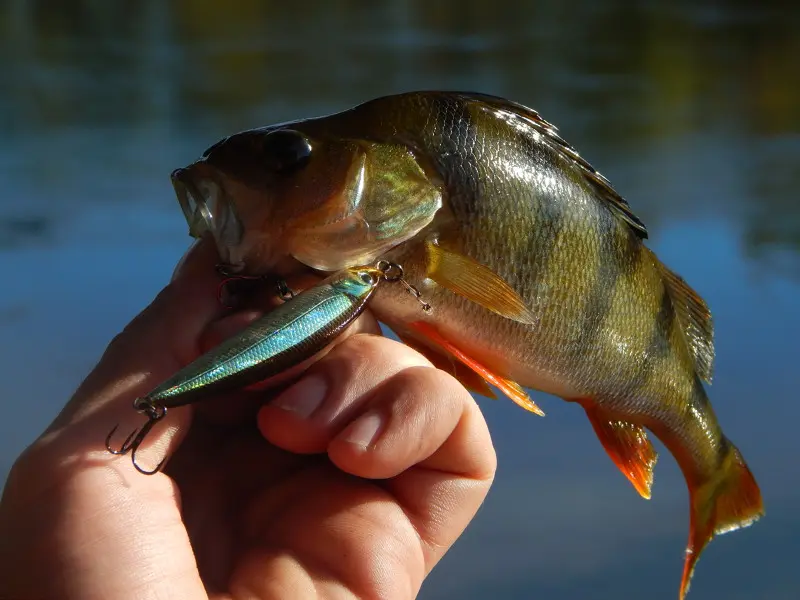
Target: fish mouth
x=207 y=209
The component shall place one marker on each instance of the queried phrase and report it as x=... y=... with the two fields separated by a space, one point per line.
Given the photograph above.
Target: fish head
x=329 y=201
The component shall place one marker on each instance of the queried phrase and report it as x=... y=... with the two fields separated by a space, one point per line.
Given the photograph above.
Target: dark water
x=692 y=111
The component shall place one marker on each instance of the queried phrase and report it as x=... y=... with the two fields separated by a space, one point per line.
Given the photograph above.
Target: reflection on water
x=692 y=110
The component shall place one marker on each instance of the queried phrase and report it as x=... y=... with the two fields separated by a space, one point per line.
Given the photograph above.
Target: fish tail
x=728 y=501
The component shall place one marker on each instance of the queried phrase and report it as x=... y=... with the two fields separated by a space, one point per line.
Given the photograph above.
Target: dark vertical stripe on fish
x=455 y=147
x=706 y=426
x=542 y=244
x=601 y=298
x=663 y=326
x=658 y=347
x=455 y=141
x=723 y=444
x=631 y=251
x=548 y=220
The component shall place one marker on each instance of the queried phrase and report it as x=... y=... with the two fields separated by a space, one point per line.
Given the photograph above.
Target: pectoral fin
x=476 y=282
x=510 y=388
x=628 y=446
x=466 y=376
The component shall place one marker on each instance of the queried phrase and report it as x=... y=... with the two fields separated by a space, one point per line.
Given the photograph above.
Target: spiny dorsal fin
x=695 y=319
x=601 y=185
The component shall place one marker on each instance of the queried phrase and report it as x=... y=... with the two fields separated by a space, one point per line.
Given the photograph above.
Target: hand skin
x=264 y=496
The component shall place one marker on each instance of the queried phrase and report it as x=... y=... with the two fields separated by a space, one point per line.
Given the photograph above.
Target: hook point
x=137 y=436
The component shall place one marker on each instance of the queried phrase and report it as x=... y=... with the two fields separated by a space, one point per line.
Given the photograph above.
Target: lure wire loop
x=134 y=440
x=394 y=272
x=391 y=271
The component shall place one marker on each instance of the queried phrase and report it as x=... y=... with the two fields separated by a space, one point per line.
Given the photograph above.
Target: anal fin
x=510 y=388
x=628 y=447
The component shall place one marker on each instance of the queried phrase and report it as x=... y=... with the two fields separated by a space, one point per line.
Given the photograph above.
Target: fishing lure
x=286 y=336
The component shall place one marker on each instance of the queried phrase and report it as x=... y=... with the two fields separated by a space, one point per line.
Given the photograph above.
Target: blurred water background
x=692 y=109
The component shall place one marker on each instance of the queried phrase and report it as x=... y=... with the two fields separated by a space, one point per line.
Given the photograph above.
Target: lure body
x=282 y=338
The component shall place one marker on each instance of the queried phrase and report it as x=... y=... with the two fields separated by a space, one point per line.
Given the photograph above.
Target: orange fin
x=510 y=388
x=466 y=376
x=695 y=319
x=470 y=279
x=729 y=501
x=628 y=446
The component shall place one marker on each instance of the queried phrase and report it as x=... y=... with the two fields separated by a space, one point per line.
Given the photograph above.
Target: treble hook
x=134 y=440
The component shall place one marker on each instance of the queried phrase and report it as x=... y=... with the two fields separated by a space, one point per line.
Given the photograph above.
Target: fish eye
x=285 y=150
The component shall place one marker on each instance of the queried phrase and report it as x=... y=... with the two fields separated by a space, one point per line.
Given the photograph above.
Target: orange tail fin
x=727 y=502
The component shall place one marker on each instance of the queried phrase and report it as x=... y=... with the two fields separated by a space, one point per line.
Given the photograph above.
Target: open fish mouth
x=207 y=209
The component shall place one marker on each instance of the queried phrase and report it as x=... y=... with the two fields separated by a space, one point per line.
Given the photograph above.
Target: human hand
x=358 y=497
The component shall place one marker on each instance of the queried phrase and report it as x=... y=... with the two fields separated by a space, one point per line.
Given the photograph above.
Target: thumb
x=100 y=532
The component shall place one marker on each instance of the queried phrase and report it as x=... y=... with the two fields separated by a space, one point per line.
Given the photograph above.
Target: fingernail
x=364 y=431
x=179 y=267
x=304 y=397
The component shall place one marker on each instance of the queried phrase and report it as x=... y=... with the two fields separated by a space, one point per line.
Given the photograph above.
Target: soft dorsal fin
x=601 y=185
x=695 y=319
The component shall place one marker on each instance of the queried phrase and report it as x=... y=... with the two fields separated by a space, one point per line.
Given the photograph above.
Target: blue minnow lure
x=284 y=337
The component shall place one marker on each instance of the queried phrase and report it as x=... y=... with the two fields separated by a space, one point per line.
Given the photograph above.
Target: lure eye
x=366 y=277
x=285 y=150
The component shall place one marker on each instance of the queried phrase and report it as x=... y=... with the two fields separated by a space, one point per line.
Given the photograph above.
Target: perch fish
x=534 y=266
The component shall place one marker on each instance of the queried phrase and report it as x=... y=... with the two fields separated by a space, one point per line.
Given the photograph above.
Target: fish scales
x=602 y=261
x=591 y=260
x=596 y=260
